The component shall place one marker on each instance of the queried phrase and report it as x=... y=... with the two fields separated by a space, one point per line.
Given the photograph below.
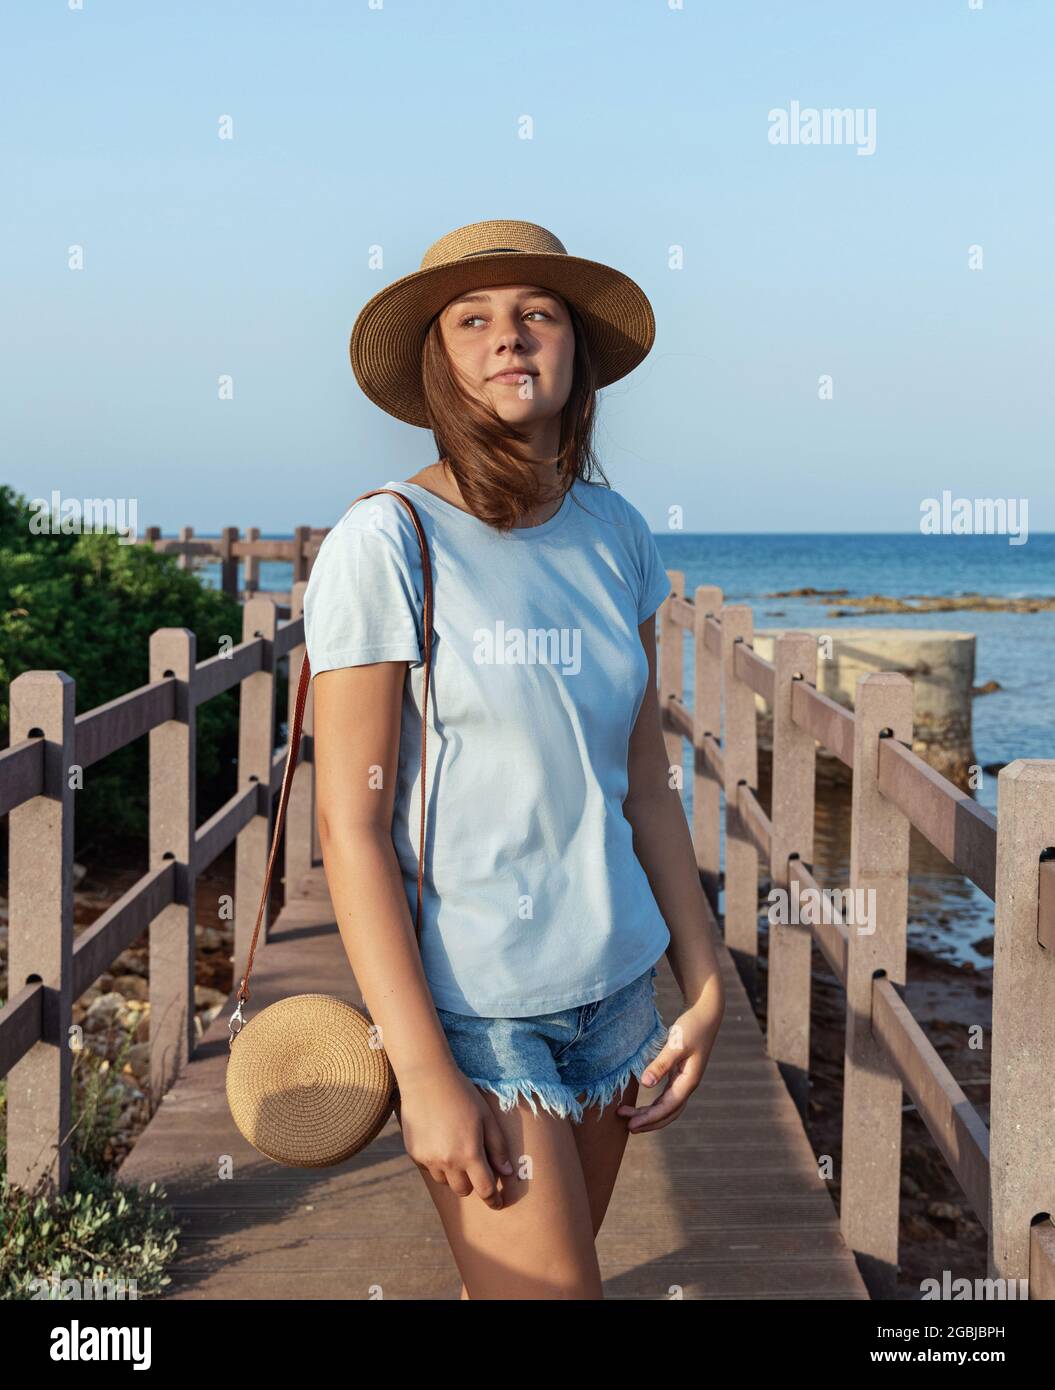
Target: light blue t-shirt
x=534 y=899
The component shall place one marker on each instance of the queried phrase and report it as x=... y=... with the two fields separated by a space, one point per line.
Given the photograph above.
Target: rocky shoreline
x=918 y=603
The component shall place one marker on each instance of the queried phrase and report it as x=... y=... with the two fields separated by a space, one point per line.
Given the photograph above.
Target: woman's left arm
x=663 y=844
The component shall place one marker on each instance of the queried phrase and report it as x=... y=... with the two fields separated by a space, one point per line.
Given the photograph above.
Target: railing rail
x=1006 y=1170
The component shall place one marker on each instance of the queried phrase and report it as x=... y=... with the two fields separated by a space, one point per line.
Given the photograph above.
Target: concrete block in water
x=940 y=664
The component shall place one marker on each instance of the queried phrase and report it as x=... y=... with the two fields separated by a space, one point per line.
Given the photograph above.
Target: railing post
x=671 y=666
x=228 y=561
x=740 y=754
x=792 y=802
x=301 y=538
x=186 y=562
x=876 y=944
x=252 y=563
x=706 y=719
x=40 y=940
x=300 y=811
x=173 y=818
x=1022 y=1104
x=256 y=724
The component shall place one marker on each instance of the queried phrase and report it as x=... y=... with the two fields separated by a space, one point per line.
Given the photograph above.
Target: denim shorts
x=592 y=1048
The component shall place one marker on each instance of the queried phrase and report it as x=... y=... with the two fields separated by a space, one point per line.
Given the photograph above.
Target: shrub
x=100 y=1229
x=87 y=604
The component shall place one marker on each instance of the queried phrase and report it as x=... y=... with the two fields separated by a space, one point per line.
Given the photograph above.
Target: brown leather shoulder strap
x=294 y=742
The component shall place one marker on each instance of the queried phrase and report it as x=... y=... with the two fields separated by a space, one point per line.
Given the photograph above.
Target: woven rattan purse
x=308 y=1082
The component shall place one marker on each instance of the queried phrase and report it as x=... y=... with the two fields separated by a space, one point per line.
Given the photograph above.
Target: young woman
x=559 y=865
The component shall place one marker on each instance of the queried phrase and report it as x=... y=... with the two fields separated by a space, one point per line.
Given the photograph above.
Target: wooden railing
x=230 y=551
x=47 y=968
x=1006 y=1170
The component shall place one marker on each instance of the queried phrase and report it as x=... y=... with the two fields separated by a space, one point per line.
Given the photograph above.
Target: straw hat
x=390 y=331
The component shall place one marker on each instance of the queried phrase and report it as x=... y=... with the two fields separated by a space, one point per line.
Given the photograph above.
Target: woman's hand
x=684 y=1058
x=449 y=1130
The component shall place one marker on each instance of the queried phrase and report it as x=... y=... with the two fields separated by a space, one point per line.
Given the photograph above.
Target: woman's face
x=512 y=345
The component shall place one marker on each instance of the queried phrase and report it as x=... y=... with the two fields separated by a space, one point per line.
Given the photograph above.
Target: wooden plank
x=950 y=818
x=705 y=716
x=754 y=820
x=21 y=1024
x=119 y=722
x=829 y=722
x=123 y=922
x=740 y=749
x=21 y=773
x=754 y=670
x=221 y=672
x=954 y=1124
x=725 y=1203
x=1023 y=1040
x=870 y=1205
x=791 y=842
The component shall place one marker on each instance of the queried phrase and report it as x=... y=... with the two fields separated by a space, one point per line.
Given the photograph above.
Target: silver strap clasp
x=231 y=1029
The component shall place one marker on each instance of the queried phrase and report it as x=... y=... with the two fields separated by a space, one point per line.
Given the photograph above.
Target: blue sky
x=357 y=126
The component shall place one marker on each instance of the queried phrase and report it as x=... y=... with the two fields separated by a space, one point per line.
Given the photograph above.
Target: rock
x=206 y=998
x=931 y=603
x=132 y=987
x=945 y=1211
x=807 y=592
x=914 y=1227
x=131 y=962
x=108 y=1011
x=137 y=1059
x=986 y=689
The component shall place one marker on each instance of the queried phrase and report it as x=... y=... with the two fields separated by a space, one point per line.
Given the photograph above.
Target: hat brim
x=389 y=333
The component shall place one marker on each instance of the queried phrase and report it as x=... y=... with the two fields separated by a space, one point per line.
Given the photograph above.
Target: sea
x=948 y=916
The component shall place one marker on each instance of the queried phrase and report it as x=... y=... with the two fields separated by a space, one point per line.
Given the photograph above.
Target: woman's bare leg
x=540 y=1245
x=600 y=1145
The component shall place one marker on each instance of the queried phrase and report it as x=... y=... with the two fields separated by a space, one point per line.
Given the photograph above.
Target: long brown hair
x=496 y=480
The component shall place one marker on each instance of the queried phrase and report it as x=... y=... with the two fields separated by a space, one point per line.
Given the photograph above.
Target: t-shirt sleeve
x=362 y=601
x=655 y=586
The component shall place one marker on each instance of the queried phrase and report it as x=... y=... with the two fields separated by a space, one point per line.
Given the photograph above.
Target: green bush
x=86 y=604
x=100 y=1228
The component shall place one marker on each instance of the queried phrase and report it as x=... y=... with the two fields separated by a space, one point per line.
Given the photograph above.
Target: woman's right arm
x=447 y=1125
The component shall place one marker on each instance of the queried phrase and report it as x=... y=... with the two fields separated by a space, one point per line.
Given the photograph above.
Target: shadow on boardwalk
x=725 y=1203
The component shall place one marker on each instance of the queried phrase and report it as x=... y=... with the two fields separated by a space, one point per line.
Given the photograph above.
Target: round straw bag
x=308 y=1082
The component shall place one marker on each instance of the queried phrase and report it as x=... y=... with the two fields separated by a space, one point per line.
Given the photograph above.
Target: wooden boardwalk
x=725 y=1203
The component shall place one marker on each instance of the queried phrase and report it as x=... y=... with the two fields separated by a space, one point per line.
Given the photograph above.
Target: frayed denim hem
x=561 y=1100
